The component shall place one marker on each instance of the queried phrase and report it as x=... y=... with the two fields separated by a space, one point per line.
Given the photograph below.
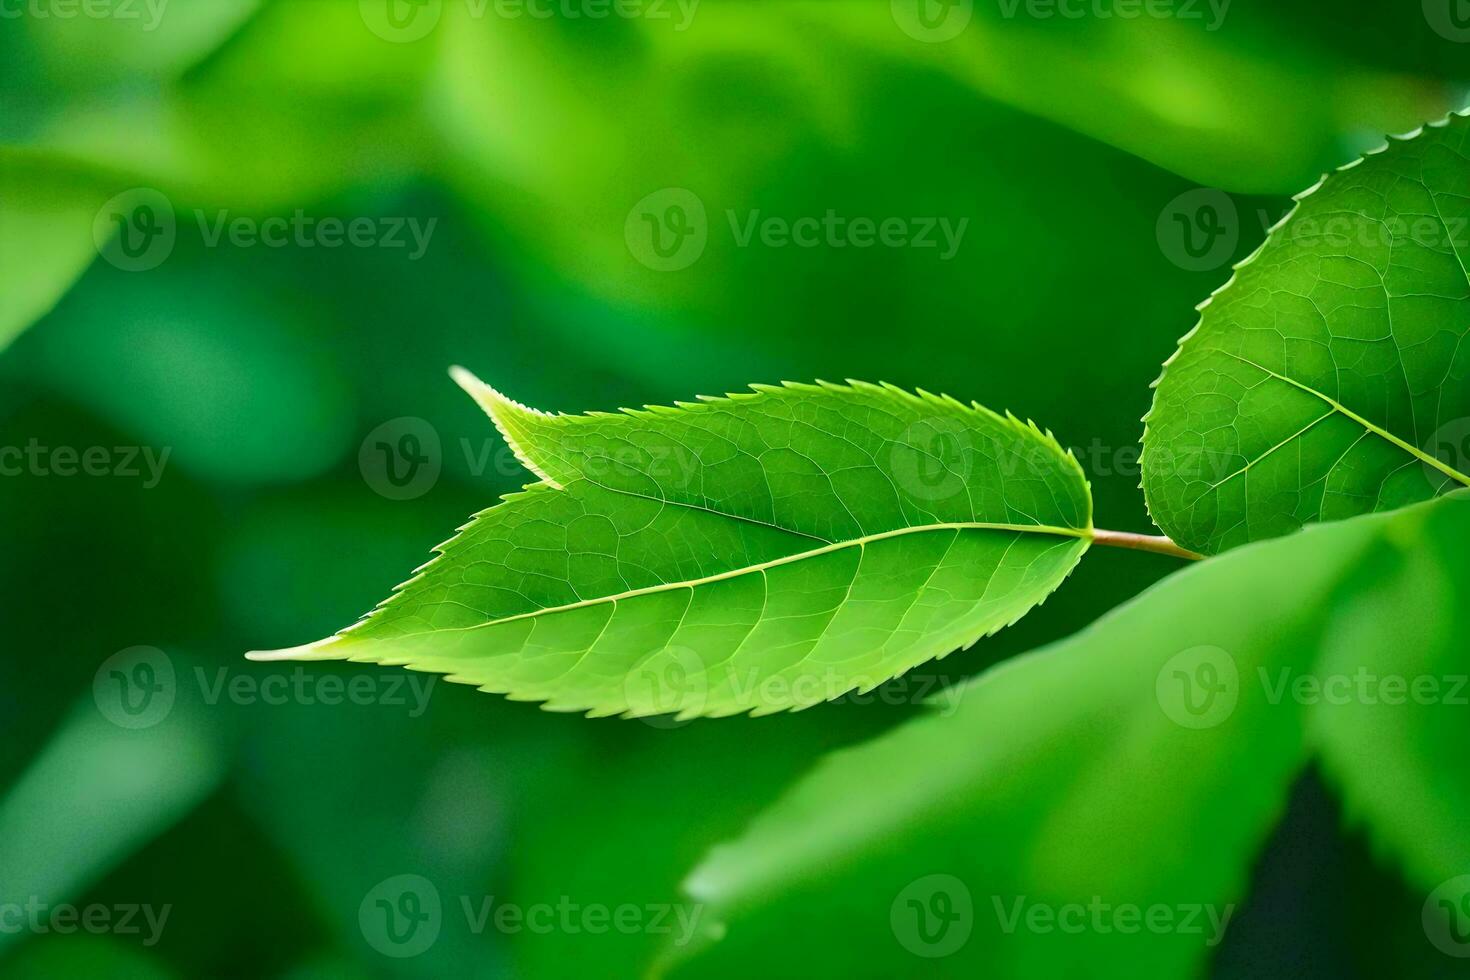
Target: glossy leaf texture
x=1329 y=377
x=752 y=553
x=1091 y=809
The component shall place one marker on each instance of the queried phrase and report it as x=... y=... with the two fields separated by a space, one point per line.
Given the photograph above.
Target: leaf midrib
x=859 y=542
x=1337 y=406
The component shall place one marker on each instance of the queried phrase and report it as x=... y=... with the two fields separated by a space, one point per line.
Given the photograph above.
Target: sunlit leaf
x=752 y=553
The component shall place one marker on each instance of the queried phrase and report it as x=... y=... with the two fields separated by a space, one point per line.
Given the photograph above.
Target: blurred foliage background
x=264 y=375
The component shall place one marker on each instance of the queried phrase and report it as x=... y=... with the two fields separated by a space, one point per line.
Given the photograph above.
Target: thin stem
x=1156 y=543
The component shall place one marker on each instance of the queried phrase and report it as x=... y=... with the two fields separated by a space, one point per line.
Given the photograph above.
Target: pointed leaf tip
x=512 y=419
x=307 y=651
x=466 y=379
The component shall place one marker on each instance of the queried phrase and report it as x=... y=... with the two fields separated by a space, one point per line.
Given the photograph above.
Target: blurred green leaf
x=79 y=54
x=1424 y=40
x=318 y=764
x=223 y=134
x=1196 y=93
x=47 y=210
x=1390 y=700
x=108 y=782
x=708 y=779
x=1139 y=765
x=300 y=102
x=59 y=56
x=209 y=370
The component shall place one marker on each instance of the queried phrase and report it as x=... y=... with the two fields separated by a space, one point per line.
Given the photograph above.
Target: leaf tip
x=307 y=651
x=490 y=398
x=510 y=418
x=466 y=379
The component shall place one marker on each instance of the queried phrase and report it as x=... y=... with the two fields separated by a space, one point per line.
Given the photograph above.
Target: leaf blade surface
x=1329 y=377
x=753 y=553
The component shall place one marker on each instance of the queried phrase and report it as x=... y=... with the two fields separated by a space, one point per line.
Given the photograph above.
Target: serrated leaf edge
x=498 y=406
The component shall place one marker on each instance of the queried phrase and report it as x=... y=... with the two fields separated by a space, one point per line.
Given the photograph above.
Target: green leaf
x=1328 y=377
x=1139 y=765
x=1084 y=75
x=752 y=553
x=45 y=234
x=172 y=395
x=95 y=795
x=1391 y=717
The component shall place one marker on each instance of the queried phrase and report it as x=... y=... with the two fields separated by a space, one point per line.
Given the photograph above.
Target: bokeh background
x=241 y=241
